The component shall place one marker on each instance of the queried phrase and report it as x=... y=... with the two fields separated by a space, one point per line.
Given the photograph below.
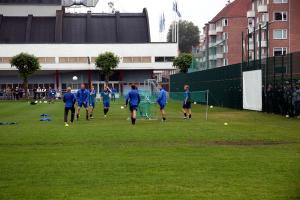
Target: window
x=5 y=59
x=280 y=1
x=225 y=62
x=225 y=36
x=159 y=59
x=73 y=59
x=280 y=51
x=164 y=59
x=280 y=34
x=169 y=59
x=225 y=48
x=136 y=59
x=280 y=16
x=225 y=22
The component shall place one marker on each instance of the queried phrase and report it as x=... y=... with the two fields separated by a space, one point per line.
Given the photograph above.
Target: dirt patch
x=243 y=143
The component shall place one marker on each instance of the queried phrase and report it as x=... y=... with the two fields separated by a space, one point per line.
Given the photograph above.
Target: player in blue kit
x=106 y=99
x=162 y=102
x=92 y=101
x=187 y=103
x=69 y=100
x=82 y=98
x=133 y=99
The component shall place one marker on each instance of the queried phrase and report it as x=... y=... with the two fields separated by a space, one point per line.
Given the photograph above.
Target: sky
x=197 y=11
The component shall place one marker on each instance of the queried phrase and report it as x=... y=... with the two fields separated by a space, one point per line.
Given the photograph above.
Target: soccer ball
x=122 y=107
x=75 y=78
x=211 y=106
x=225 y=124
x=195 y=102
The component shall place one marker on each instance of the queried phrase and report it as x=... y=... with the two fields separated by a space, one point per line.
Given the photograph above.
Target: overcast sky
x=197 y=11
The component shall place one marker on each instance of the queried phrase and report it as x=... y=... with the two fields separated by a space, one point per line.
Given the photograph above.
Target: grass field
x=257 y=156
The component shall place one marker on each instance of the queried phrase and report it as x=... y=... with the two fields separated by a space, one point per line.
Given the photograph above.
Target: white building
x=67 y=44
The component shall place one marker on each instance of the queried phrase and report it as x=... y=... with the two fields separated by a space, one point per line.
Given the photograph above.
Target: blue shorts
x=84 y=104
x=92 y=104
x=187 y=105
x=133 y=107
x=162 y=106
x=106 y=104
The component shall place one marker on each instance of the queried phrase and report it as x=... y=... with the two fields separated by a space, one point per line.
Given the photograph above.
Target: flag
x=162 y=23
x=175 y=9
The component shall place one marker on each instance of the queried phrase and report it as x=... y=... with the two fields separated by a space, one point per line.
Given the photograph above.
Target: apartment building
x=283 y=31
x=222 y=36
x=222 y=42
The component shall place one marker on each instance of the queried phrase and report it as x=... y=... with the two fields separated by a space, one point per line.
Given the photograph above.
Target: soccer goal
x=198 y=97
x=146 y=108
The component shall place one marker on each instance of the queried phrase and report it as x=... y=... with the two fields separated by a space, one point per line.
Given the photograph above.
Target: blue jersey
x=52 y=93
x=187 y=96
x=69 y=100
x=105 y=96
x=114 y=91
x=162 y=97
x=82 y=96
x=92 y=96
x=133 y=98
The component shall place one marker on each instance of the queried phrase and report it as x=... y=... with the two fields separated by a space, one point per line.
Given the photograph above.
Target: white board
x=252 y=90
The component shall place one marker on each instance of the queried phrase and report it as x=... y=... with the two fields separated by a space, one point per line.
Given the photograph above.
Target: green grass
x=110 y=159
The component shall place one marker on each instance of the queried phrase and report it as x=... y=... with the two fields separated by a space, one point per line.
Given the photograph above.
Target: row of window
x=51 y=60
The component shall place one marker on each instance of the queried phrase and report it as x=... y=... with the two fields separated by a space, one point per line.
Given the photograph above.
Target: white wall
x=25 y=10
x=92 y=50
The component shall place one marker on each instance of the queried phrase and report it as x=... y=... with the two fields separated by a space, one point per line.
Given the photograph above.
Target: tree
x=183 y=62
x=189 y=36
x=107 y=62
x=26 y=65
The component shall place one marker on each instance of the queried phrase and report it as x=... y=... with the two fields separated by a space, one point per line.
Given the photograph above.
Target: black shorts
x=132 y=108
x=187 y=105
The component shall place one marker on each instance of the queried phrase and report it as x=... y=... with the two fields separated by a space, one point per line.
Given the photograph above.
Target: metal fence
x=281 y=81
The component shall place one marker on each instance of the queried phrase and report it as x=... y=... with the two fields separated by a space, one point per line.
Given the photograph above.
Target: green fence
x=280 y=77
x=224 y=84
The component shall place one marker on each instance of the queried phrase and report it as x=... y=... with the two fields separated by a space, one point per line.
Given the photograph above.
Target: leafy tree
x=107 y=62
x=27 y=65
x=183 y=62
x=189 y=36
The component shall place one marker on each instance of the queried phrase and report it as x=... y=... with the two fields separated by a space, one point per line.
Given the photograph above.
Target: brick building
x=283 y=17
x=222 y=42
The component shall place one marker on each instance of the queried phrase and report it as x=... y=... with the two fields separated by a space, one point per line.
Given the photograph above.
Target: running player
x=133 y=98
x=187 y=104
x=92 y=101
x=82 y=97
x=162 y=102
x=105 y=99
x=69 y=100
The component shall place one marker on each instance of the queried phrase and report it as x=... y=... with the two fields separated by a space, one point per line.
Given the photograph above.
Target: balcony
x=262 y=8
x=212 y=57
x=212 y=32
x=220 y=56
x=219 y=29
x=211 y=44
x=220 y=42
x=263 y=43
x=251 y=14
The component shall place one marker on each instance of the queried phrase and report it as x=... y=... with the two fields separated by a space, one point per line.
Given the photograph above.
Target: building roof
x=54 y=2
x=237 y=8
x=76 y=28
